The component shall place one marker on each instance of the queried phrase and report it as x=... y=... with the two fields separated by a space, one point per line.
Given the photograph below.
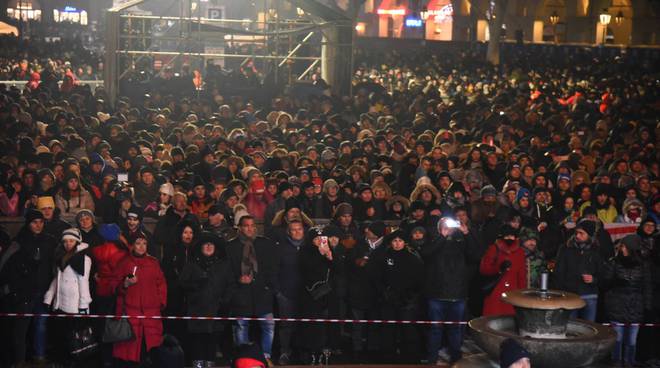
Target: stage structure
x=286 y=41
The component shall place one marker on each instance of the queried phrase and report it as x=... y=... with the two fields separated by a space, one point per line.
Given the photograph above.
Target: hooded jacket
x=69 y=290
x=205 y=282
x=630 y=289
x=575 y=260
x=27 y=269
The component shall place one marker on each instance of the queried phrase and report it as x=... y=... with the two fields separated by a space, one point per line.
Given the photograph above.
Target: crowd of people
x=38 y=61
x=440 y=184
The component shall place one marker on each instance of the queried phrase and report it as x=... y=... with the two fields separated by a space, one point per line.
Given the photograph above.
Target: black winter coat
x=205 y=282
x=630 y=290
x=448 y=263
x=288 y=276
x=56 y=227
x=174 y=261
x=27 y=269
x=399 y=277
x=166 y=232
x=315 y=269
x=256 y=298
x=92 y=237
x=651 y=252
x=361 y=291
x=573 y=262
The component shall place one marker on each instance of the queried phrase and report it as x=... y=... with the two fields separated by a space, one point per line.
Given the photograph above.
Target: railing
x=21 y=84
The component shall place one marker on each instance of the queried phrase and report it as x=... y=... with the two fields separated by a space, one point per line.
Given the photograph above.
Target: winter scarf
x=249 y=265
x=71 y=258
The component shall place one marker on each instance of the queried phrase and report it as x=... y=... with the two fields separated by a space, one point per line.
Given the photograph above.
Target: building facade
x=616 y=22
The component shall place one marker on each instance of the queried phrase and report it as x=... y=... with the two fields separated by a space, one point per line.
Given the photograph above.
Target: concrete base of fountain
x=585 y=343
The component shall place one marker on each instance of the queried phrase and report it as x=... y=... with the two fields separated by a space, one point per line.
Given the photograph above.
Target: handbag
x=118 y=330
x=321 y=288
x=82 y=342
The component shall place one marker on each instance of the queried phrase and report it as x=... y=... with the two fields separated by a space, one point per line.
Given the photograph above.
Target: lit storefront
x=391 y=18
x=70 y=14
x=439 y=19
x=24 y=10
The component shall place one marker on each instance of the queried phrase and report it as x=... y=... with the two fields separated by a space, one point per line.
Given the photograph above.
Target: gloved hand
x=505 y=266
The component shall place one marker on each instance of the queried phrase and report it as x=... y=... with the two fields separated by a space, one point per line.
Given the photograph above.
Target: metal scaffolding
x=317 y=37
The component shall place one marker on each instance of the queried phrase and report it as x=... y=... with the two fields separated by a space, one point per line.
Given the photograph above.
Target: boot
x=198 y=364
x=209 y=364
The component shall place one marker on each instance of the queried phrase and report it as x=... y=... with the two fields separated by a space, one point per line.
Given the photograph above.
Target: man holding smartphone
x=447 y=259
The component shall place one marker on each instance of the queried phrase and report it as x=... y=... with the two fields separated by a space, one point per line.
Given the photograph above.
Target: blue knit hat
x=110 y=232
x=522 y=192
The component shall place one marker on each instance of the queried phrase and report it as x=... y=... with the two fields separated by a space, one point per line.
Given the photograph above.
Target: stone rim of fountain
x=543 y=299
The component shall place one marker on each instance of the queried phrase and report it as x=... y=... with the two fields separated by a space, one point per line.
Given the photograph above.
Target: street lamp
x=554 y=19
x=605 y=19
x=618 y=19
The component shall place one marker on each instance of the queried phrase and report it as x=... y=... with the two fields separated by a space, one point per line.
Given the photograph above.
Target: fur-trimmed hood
x=423 y=187
x=279 y=220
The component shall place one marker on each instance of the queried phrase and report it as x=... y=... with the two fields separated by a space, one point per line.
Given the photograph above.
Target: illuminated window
x=466 y=7
x=72 y=15
x=582 y=8
x=24 y=11
x=369 y=6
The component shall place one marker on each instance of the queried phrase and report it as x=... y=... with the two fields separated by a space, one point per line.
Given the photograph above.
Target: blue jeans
x=21 y=327
x=625 y=336
x=242 y=327
x=445 y=310
x=588 y=312
x=39 y=330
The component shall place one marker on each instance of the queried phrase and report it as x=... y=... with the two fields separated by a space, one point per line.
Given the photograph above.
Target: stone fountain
x=541 y=324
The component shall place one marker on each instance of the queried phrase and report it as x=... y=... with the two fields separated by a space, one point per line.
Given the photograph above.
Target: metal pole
x=206 y=54
x=296 y=48
x=308 y=69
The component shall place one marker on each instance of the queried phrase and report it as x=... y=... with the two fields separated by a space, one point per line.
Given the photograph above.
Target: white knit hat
x=167 y=188
x=72 y=233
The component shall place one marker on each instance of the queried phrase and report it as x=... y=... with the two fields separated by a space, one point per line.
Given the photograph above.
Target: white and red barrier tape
x=274 y=319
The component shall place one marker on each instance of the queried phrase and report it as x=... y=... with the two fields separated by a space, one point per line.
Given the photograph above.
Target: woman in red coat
x=507 y=258
x=142 y=291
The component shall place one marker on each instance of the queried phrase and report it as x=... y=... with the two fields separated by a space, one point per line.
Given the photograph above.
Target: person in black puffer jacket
x=317 y=272
x=648 y=337
x=628 y=296
x=399 y=279
x=26 y=270
x=578 y=268
x=205 y=282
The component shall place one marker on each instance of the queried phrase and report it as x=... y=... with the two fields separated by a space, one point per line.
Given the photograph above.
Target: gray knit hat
x=85 y=212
